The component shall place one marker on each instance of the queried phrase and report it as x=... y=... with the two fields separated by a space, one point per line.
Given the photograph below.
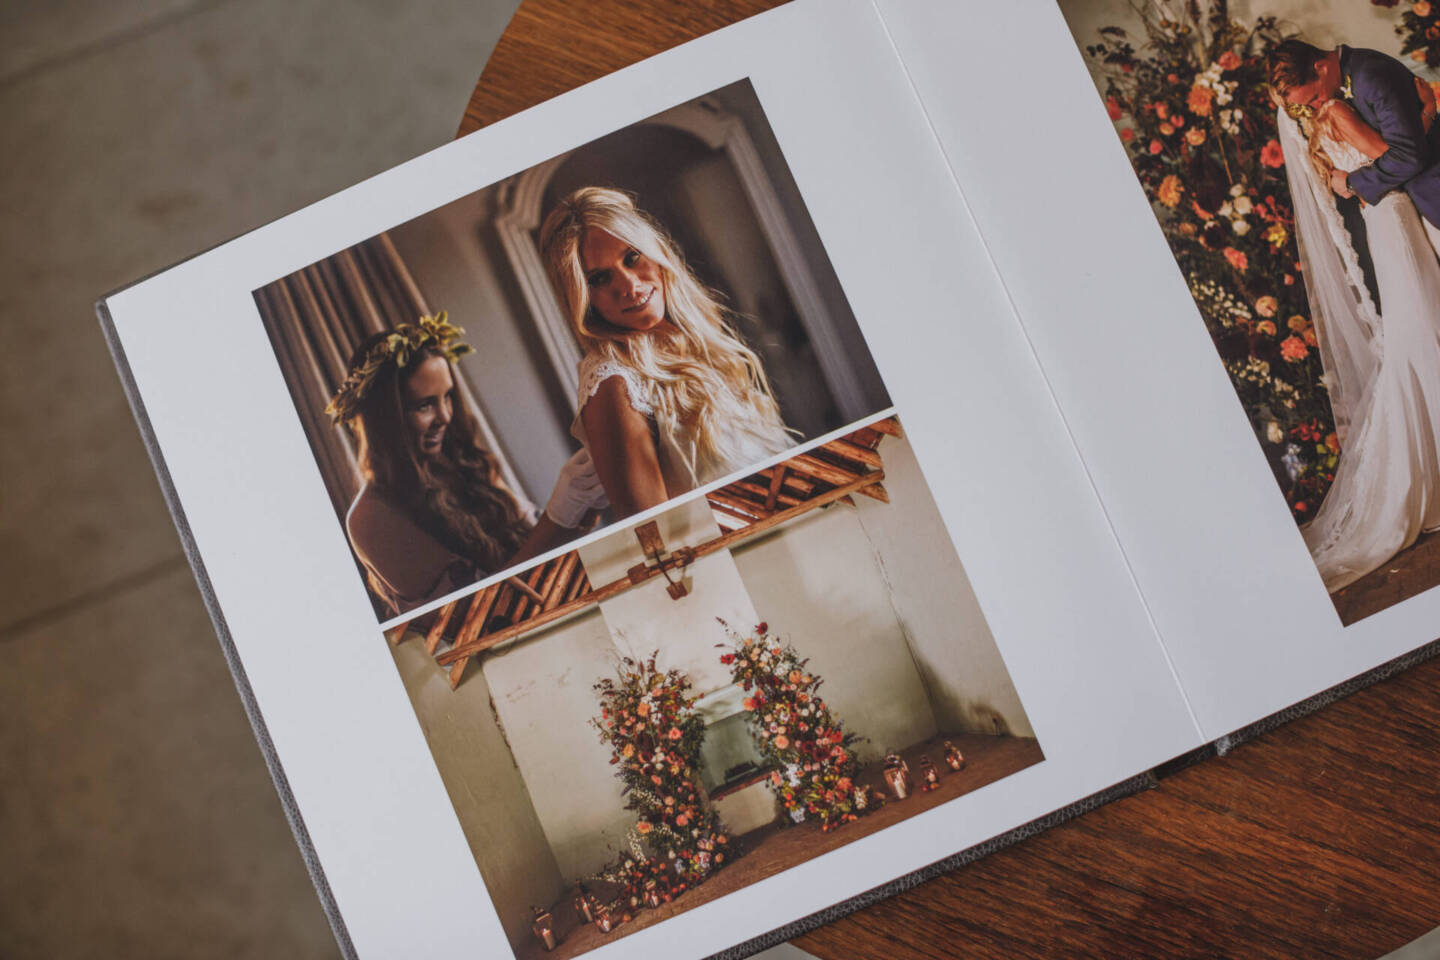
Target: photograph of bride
x=1293 y=161
x=642 y=316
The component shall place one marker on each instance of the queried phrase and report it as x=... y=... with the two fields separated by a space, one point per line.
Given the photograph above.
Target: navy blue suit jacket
x=1383 y=93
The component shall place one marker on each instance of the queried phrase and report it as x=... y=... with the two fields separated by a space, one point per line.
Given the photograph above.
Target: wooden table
x=1319 y=839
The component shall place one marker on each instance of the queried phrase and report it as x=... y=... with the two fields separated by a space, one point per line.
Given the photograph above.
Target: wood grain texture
x=552 y=46
x=1320 y=839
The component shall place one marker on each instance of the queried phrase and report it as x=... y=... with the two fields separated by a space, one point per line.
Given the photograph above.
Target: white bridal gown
x=1384 y=371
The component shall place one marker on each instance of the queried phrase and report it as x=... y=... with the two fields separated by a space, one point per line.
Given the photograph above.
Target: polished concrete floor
x=136 y=815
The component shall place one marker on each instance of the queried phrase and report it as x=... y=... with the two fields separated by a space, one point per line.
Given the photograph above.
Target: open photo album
x=808 y=454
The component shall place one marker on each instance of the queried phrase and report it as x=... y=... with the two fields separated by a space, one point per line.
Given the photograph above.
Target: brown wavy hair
x=457 y=497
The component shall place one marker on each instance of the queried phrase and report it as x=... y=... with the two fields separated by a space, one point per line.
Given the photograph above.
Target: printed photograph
x=789 y=663
x=1290 y=153
x=639 y=318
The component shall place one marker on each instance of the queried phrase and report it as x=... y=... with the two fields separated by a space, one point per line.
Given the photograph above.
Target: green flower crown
x=403 y=344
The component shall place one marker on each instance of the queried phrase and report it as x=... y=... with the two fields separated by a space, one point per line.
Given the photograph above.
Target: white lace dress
x=681 y=466
x=1387 y=485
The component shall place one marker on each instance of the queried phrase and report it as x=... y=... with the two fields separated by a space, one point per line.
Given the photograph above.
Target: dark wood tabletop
x=1318 y=839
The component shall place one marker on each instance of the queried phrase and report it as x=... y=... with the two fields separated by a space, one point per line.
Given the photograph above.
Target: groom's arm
x=1396 y=110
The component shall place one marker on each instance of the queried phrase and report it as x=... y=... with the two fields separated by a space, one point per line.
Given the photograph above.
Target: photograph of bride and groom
x=1293 y=162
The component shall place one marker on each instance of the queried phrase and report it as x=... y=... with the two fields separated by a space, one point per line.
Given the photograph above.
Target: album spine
x=222 y=632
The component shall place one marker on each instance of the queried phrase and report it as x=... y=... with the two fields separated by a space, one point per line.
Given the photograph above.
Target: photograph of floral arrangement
x=786 y=665
x=1189 y=91
x=1419 y=30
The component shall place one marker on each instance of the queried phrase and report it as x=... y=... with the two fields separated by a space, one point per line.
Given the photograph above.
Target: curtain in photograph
x=315 y=318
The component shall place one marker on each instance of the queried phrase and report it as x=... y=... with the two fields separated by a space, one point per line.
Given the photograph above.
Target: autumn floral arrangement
x=1190 y=100
x=814 y=765
x=1419 y=30
x=648 y=720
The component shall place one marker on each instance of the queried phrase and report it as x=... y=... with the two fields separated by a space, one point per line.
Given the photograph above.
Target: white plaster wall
x=817 y=585
x=930 y=592
x=644 y=619
x=490 y=799
x=543 y=691
x=1324 y=23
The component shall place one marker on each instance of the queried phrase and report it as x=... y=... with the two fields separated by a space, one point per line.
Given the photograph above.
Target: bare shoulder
x=373 y=521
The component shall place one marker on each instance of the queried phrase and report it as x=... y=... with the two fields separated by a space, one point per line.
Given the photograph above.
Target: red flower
x=1271 y=155
x=1127 y=134
x=1156 y=146
x=727 y=658
x=675 y=733
x=1237 y=259
x=1229 y=60
x=1112 y=107
x=1294 y=349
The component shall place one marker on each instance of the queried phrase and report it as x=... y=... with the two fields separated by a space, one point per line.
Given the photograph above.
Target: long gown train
x=1387 y=485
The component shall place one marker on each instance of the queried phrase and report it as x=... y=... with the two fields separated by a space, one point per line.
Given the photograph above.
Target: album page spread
x=666 y=514
x=1146 y=205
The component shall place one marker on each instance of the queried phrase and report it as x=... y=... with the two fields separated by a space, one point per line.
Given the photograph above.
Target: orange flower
x=1229 y=60
x=1421 y=8
x=749 y=703
x=1156 y=146
x=1333 y=442
x=681 y=820
x=1178 y=120
x=1127 y=134
x=1294 y=349
x=1195 y=136
x=781 y=742
x=1199 y=101
x=629 y=751
x=1162 y=110
x=1267 y=306
x=643 y=709
x=1266 y=327
x=1166 y=128
x=1272 y=155
x=643 y=827
x=675 y=733
x=1308 y=335
x=1237 y=259
x=1201 y=212
x=1170 y=190
x=1418 y=55
x=794 y=676
x=1297 y=323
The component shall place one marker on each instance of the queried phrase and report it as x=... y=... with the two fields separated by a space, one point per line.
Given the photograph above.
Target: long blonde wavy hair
x=707 y=382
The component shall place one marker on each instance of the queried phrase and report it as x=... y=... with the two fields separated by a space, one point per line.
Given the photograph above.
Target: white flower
x=1236 y=189
x=1226 y=209
x=1241 y=227
x=1273 y=433
x=1243 y=205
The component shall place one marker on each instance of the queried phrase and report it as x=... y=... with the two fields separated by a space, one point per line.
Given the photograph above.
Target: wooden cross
x=653 y=546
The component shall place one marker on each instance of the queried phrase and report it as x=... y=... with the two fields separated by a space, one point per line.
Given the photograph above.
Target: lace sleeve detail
x=595 y=370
